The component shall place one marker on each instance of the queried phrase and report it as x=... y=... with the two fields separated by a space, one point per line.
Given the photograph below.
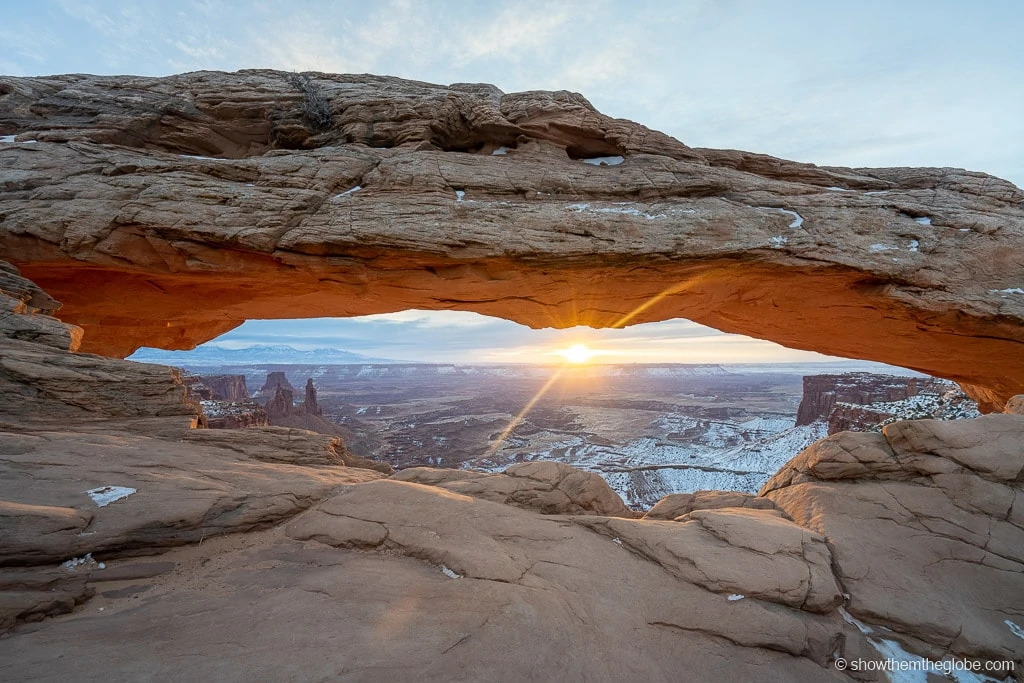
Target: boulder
x=927 y=508
x=547 y=487
x=677 y=505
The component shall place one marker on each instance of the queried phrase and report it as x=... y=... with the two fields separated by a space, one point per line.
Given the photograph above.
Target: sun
x=577 y=353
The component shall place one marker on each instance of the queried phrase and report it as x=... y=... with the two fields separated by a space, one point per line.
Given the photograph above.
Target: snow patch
x=736 y=596
x=798 y=220
x=923 y=220
x=190 y=156
x=880 y=247
x=849 y=619
x=76 y=562
x=1015 y=629
x=877 y=192
x=838 y=189
x=617 y=540
x=914 y=244
x=449 y=573
x=1011 y=290
x=621 y=208
x=349 y=191
x=604 y=161
x=7 y=138
x=459 y=194
x=779 y=240
x=105 y=495
x=501 y=151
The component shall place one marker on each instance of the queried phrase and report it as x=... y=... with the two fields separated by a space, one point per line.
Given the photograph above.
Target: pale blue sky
x=867 y=83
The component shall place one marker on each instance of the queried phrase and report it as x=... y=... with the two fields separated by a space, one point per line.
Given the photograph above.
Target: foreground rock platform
x=166 y=211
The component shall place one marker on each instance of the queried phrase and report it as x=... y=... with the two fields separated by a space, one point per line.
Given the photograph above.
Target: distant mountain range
x=262 y=354
x=211 y=356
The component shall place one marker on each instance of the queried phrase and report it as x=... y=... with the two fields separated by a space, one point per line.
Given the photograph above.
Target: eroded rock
x=548 y=487
x=926 y=528
x=679 y=504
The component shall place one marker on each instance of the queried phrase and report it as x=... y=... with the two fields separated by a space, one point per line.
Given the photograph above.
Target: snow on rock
x=349 y=191
x=191 y=156
x=877 y=192
x=779 y=240
x=798 y=220
x=501 y=151
x=1015 y=629
x=923 y=220
x=1010 y=290
x=459 y=194
x=881 y=247
x=734 y=597
x=7 y=138
x=105 y=495
x=604 y=161
x=838 y=189
x=914 y=244
x=74 y=563
x=449 y=573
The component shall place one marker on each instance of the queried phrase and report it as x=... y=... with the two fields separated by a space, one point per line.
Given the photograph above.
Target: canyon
x=164 y=211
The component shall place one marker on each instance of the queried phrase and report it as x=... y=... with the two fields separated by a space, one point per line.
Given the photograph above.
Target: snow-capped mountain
x=252 y=355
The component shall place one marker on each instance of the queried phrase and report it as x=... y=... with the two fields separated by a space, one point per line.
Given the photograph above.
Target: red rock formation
x=822 y=393
x=387 y=195
x=310 y=406
x=281 y=405
x=275 y=380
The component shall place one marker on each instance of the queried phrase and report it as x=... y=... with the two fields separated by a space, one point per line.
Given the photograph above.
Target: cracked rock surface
x=926 y=526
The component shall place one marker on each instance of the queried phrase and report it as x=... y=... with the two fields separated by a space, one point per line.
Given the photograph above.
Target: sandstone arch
x=163 y=212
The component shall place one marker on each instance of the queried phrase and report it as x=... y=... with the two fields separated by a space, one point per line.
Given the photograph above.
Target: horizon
x=869 y=366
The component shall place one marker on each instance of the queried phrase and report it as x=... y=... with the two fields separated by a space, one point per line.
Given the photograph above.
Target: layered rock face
x=925 y=508
x=860 y=402
x=823 y=392
x=165 y=211
x=218 y=387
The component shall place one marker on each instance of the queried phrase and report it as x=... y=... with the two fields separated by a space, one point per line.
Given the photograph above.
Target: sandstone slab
x=548 y=487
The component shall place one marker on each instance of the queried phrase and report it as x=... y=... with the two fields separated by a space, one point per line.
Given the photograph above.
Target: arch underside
x=831 y=310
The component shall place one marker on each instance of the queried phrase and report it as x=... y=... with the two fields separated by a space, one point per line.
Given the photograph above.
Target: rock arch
x=163 y=212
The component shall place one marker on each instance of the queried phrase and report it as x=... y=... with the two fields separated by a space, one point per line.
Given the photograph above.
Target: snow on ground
x=604 y=161
x=725 y=456
x=105 y=495
x=1011 y=290
x=501 y=151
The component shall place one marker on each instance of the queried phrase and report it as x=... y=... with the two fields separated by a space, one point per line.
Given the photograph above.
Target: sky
x=867 y=83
